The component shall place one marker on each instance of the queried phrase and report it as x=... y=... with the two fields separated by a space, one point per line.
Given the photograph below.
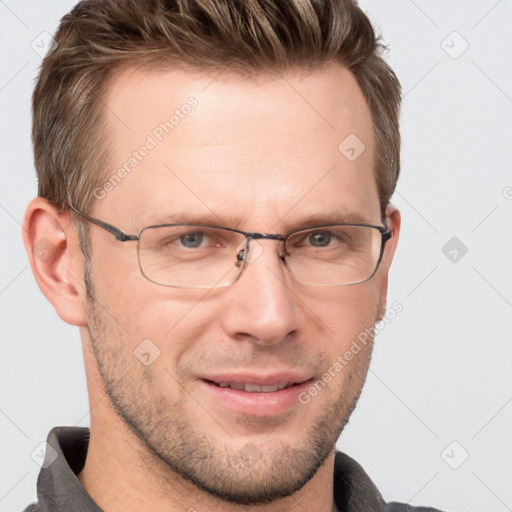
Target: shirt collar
x=58 y=488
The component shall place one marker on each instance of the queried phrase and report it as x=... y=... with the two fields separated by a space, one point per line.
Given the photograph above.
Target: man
x=214 y=215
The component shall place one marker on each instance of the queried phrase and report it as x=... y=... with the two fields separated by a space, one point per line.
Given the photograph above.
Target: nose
x=261 y=305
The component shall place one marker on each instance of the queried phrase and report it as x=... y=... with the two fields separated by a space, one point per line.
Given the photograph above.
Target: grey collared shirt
x=59 y=490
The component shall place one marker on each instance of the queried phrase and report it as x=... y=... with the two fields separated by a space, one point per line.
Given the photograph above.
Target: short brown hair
x=98 y=37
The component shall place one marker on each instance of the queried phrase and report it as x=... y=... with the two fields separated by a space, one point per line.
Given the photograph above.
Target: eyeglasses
x=204 y=256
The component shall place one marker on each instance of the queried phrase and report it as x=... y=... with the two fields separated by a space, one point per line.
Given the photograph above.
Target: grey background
x=441 y=372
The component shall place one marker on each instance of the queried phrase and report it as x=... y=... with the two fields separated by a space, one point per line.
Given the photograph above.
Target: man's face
x=260 y=155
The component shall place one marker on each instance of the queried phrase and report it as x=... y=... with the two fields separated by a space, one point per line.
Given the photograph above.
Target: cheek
x=139 y=305
x=345 y=312
x=172 y=319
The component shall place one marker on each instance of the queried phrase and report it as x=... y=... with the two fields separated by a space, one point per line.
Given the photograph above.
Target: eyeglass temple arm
x=120 y=235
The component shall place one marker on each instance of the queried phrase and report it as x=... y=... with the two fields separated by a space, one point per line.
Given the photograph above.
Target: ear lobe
x=56 y=260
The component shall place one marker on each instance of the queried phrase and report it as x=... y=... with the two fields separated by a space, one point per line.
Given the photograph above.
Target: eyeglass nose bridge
x=243 y=255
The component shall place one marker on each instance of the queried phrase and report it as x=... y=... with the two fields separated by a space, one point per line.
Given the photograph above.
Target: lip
x=256 y=404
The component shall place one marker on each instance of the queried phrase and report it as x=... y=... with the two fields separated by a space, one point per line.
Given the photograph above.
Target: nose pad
x=241 y=254
x=248 y=252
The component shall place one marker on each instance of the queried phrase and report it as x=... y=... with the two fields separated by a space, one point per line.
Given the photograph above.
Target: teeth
x=255 y=388
x=273 y=387
x=251 y=388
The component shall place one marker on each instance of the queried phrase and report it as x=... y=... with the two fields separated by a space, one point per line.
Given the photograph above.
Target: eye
x=191 y=240
x=320 y=238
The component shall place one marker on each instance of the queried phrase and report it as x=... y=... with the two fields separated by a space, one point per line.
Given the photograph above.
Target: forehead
x=262 y=148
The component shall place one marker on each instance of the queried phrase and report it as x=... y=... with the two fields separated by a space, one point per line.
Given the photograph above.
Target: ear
x=56 y=259
x=394 y=221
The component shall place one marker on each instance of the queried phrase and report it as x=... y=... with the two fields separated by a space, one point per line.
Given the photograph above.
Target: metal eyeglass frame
x=121 y=236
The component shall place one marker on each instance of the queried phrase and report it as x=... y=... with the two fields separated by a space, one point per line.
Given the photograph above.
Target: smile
x=255 y=388
x=257 y=397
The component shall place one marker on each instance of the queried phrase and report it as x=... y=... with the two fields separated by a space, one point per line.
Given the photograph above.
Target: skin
x=252 y=155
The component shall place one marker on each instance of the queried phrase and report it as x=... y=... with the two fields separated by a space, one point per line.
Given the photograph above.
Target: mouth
x=255 y=396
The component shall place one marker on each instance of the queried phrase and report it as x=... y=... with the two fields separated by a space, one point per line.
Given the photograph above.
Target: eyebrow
x=318 y=219
x=188 y=217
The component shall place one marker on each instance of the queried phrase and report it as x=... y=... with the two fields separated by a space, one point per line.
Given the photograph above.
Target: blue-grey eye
x=320 y=238
x=192 y=240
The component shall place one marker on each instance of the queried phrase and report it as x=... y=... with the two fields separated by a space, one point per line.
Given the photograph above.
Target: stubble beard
x=277 y=468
